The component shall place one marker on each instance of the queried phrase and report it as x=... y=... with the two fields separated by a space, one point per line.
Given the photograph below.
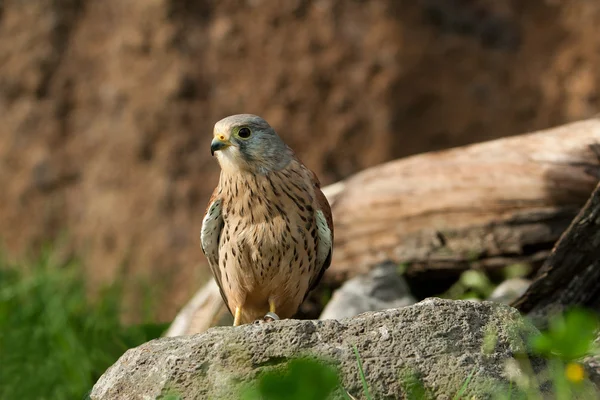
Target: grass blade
x=362 y=374
x=347 y=396
x=464 y=386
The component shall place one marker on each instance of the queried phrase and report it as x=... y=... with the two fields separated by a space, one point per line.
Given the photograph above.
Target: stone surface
x=509 y=290
x=382 y=288
x=441 y=340
x=107 y=106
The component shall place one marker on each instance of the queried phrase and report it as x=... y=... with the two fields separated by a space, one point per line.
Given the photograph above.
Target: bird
x=267 y=231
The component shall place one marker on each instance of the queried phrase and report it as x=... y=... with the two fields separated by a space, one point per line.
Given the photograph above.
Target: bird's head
x=247 y=142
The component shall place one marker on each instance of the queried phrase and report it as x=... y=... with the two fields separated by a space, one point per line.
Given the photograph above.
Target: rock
x=439 y=340
x=592 y=369
x=382 y=288
x=509 y=290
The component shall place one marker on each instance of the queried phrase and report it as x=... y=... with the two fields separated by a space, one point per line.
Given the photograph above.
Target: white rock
x=509 y=290
x=381 y=289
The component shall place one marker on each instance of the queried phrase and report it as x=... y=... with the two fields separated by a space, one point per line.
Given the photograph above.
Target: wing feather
x=324 y=222
x=210 y=234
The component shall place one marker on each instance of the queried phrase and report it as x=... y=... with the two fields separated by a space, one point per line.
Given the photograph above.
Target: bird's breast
x=269 y=225
x=268 y=245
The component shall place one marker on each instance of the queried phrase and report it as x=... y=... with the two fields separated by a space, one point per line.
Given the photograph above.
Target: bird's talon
x=270 y=317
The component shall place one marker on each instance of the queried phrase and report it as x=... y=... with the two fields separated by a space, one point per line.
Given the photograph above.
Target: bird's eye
x=244 y=133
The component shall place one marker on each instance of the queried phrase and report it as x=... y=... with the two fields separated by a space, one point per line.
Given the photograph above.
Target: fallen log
x=480 y=206
x=204 y=310
x=485 y=206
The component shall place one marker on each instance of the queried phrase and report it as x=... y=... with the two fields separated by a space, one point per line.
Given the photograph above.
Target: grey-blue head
x=247 y=142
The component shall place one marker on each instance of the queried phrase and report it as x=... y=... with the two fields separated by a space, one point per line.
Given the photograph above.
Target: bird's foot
x=269 y=317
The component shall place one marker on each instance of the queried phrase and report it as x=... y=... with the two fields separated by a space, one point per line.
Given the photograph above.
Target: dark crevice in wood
x=571 y=274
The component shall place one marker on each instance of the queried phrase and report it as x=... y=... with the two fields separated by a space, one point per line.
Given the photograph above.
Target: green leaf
x=413 y=386
x=570 y=336
x=518 y=270
x=477 y=280
x=302 y=378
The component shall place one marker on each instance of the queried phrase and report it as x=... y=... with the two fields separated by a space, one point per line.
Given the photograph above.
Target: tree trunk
x=571 y=274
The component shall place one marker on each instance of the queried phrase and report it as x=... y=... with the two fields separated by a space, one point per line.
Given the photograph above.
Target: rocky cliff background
x=106 y=107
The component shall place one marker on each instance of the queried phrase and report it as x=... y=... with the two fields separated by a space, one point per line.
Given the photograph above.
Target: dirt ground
x=106 y=107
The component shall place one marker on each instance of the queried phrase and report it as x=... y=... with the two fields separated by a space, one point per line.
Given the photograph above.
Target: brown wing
x=325 y=234
x=212 y=226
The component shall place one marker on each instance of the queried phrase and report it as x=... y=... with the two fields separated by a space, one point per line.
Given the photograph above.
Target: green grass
x=362 y=374
x=54 y=342
x=463 y=388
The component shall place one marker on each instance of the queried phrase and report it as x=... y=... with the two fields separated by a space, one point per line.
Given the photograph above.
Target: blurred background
x=107 y=108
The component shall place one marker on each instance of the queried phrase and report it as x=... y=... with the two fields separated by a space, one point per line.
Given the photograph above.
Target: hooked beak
x=218 y=144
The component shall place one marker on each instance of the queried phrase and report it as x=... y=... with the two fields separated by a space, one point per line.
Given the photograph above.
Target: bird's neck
x=236 y=166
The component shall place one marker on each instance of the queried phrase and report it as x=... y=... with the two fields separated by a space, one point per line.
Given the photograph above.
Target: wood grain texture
x=483 y=205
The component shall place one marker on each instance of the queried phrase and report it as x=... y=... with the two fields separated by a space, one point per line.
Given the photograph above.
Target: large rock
x=440 y=340
x=107 y=106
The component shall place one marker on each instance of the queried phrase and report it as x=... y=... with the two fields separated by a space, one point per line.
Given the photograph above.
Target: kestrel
x=267 y=232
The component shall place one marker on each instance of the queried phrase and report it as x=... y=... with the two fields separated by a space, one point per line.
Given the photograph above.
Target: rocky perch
x=442 y=341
